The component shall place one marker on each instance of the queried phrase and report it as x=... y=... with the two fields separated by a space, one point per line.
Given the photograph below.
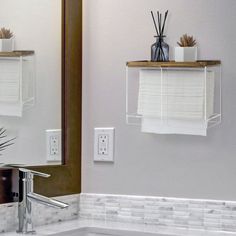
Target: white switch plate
x=104 y=144
x=53 y=144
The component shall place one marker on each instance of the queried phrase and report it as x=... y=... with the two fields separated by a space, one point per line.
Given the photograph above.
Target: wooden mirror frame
x=66 y=179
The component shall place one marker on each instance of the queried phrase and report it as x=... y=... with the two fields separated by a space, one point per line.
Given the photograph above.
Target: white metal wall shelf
x=205 y=90
x=17 y=82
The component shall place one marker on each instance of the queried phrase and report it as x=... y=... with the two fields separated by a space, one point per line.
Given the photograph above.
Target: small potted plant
x=187 y=50
x=5 y=174
x=6 y=40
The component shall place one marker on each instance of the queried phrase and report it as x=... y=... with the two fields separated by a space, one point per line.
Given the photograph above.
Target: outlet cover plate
x=104 y=144
x=53 y=144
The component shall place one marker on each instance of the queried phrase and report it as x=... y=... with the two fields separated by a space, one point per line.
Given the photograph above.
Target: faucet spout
x=27 y=196
x=47 y=201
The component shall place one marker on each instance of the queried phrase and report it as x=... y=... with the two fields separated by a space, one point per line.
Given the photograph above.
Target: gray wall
x=116 y=31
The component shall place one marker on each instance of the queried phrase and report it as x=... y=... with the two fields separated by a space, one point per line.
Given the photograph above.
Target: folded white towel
x=180 y=93
x=154 y=125
x=9 y=81
x=175 y=97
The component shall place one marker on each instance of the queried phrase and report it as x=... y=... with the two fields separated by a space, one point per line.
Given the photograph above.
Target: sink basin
x=92 y=231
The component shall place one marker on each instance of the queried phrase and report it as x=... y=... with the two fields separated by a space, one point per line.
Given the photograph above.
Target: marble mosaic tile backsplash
x=170 y=212
x=42 y=214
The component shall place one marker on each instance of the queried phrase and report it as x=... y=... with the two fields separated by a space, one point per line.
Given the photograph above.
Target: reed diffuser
x=160 y=49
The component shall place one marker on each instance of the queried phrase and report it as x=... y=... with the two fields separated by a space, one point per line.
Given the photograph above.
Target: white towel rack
x=169 y=99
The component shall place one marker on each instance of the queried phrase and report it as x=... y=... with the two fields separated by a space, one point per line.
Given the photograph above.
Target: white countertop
x=82 y=223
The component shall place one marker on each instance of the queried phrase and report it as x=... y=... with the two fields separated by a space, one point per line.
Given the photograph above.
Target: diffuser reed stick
x=161 y=26
x=159 y=54
x=154 y=21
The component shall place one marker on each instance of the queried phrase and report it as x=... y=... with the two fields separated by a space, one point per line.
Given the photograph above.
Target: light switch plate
x=104 y=144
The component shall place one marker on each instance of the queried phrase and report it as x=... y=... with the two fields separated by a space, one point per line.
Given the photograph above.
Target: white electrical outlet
x=104 y=144
x=53 y=143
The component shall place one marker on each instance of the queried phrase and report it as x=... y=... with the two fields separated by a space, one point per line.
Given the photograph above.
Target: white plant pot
x=7 y=45
x=187 y=54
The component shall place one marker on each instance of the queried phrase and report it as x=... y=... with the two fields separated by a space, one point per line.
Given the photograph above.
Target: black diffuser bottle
x=160 y=49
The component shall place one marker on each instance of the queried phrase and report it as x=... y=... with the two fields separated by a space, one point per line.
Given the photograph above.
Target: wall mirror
x=65 y=179
x=36 y=25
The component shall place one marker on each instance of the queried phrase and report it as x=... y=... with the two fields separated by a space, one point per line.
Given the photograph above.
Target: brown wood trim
x=63 y=84
x=197 y=64
x=16 y=53
x=66 y=179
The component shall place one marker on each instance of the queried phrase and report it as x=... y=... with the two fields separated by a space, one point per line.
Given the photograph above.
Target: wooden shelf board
x=16 y=53
x=197 y=64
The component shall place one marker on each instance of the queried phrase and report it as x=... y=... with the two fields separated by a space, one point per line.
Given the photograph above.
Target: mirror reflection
x=30 y=81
